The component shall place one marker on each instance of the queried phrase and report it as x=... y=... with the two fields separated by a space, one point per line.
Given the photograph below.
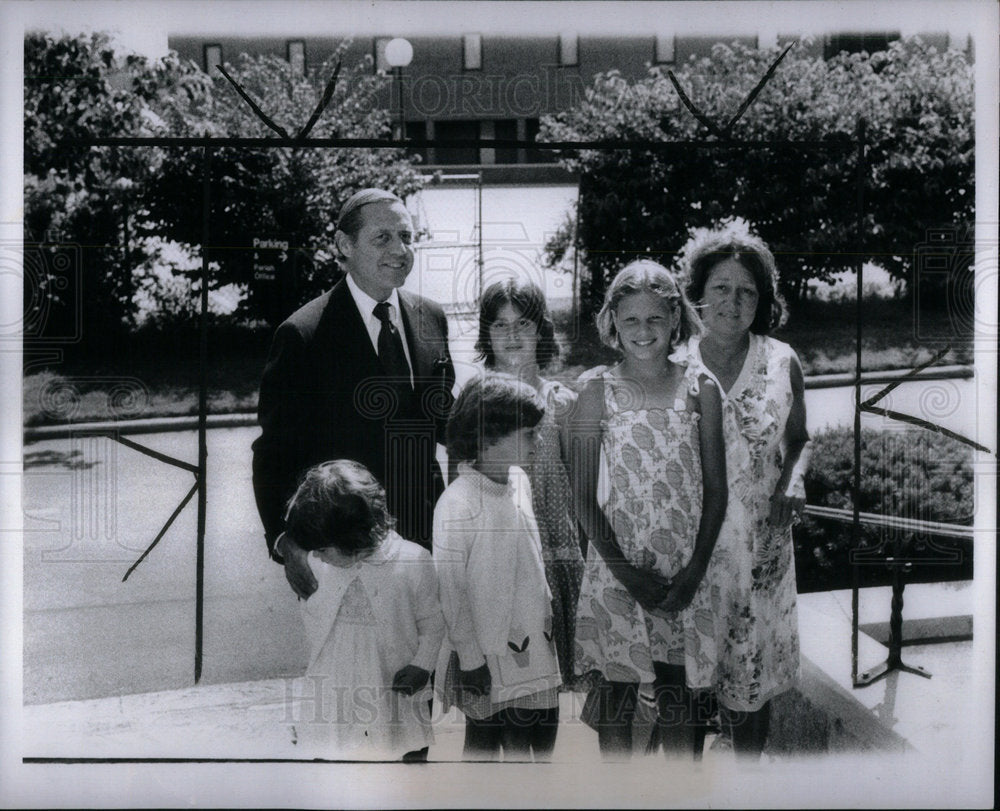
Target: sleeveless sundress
x=552 y=502
x=752 y=570
x=652 y=498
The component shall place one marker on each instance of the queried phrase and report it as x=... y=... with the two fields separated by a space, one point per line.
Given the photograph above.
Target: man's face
x=380 y=257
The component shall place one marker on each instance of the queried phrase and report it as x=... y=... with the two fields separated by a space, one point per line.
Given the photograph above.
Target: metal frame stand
x=895 y=659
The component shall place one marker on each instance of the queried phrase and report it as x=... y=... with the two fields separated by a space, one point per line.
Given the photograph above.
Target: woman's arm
x=564 y=406
x=584 y=450
x=562 y=421
x=789 y=495
x=715 y=495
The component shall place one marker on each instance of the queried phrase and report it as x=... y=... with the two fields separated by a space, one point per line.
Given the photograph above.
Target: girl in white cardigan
x=499 y=663
x=374 y=624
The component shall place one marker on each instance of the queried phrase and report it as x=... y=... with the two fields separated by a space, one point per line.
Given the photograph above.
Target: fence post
x=859 y=313
x=199 y=605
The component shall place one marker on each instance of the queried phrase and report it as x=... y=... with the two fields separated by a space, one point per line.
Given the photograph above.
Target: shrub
x=906 y=473
x=288 y=195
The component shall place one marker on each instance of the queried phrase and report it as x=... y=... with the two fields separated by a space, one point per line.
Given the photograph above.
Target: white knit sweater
x=494 y=595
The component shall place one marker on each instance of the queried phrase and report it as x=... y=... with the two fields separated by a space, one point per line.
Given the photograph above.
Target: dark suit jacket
x=325 y=396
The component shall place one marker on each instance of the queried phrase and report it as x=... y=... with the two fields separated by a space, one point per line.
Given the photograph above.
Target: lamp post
x=399 y=54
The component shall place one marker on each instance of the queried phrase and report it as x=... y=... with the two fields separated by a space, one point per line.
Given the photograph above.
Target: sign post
x=273 y=276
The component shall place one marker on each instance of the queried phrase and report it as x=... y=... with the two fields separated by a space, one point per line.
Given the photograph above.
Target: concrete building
x=478 y=86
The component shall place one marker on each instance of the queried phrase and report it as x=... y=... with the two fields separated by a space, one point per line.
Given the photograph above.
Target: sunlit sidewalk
x=903 y=712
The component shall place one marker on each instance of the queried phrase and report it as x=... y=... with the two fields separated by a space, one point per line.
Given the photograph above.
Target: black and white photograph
x=498 y=403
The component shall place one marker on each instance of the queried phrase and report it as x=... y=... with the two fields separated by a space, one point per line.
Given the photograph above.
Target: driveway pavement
x=91 y=507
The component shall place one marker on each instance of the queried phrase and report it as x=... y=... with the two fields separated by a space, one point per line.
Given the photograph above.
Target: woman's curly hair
x=734 y=240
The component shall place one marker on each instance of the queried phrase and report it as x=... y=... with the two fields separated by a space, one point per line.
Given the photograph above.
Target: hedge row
x=907 y=473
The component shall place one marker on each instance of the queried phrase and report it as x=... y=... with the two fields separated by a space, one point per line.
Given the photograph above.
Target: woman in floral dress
x=732 y=280
x=516 y=336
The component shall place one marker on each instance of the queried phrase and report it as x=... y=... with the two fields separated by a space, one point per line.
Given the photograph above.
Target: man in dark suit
x=362 y=372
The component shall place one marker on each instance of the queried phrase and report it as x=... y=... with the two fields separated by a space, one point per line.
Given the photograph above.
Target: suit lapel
x=351 y=348
x=422 y=351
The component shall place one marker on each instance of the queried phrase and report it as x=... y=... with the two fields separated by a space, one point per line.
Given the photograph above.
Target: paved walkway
x=91 y=506
x=888 y=740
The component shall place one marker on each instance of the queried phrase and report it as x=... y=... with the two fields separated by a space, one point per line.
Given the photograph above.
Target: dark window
x=536 y=155
x=418 y=131
x=505 y=130
x=380 y=61
x=568 y=50
x=445 y=131
x=295 y=52
x=472 y=51
x=857 y=43
x=663 y=50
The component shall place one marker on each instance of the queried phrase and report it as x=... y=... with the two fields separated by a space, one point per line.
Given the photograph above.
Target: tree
x=917 y=103
x=82 y=204
x=96 y=217
x=290 y=195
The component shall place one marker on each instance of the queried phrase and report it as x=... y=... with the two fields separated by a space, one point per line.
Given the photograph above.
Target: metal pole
x=576 y=263
x=401 y=125
x=895 y=659
x=479 y=218
x=859 y=311
x=125 y=248
x=199 y=599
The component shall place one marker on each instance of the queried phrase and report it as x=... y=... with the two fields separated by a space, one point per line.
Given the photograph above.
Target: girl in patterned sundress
x=374 y=624
x=516 y=336
x=648 y=473
x=733 y=279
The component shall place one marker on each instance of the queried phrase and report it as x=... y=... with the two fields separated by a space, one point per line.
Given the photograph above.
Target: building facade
x=475 y=86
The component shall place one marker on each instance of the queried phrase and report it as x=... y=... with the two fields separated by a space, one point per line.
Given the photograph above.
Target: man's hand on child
x=477 y=682
x=410 y=679
x=297 y=571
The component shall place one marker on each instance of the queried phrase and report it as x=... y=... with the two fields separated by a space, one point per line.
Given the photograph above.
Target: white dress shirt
x=366 y=306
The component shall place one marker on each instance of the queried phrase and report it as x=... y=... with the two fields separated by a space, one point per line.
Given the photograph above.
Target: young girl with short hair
x=374 y=624
x=517 y=337
x=499 y=664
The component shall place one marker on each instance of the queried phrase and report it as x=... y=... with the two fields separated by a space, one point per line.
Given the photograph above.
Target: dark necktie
x=390 y=348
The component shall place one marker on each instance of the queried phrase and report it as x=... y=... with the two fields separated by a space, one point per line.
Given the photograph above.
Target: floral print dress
x=652 y=494
x=752 y=572
x=552 y=503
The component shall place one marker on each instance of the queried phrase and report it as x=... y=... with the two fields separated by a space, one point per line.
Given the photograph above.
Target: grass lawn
x=823 y=333
x=895 y=336
x=158 y=376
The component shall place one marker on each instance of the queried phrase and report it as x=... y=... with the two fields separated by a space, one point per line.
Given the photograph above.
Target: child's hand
x=647 y=588
x=682 y=588
x=410 y=679
x=477 y=682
